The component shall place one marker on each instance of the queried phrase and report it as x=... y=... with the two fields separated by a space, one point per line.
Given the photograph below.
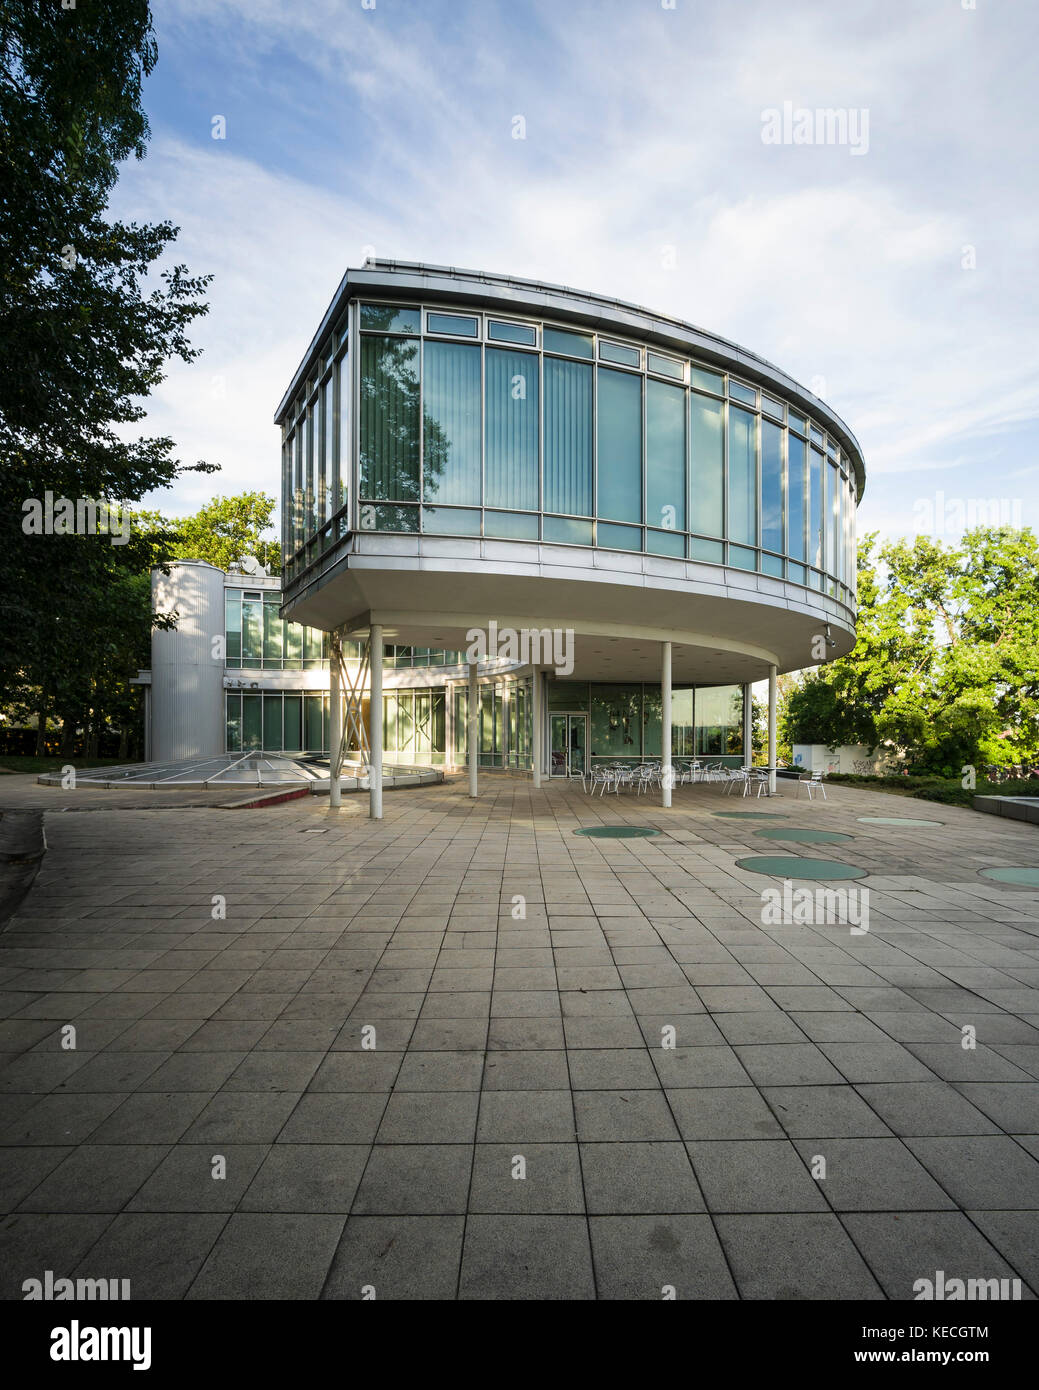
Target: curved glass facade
x=451 y=421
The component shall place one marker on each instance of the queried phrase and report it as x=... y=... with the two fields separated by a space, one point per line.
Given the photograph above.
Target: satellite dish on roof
x=250 y=565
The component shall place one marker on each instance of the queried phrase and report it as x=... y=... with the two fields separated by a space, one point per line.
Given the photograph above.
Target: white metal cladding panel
x=187 y=701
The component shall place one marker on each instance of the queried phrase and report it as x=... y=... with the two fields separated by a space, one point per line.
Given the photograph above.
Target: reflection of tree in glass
x=389 y=446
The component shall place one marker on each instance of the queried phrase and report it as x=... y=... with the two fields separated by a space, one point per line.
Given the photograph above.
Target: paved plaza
x=317 y=1055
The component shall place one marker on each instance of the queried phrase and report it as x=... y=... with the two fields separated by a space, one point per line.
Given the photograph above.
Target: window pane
x=451 y=521
x=389 y=318
x=294 y=723
x=294 y=643
x=518 y=526
x=272 y=635
x=562 y=532
x=568 y=437
x=665 y=366
x=665 y=456
x=328 y=439
x=833 y=554
x=708 y=465
x=511 y=458
x=234 y=724
x=389 y=419
x=771 y=407
x=233 y=627
x=795 y=505
x=451 y=429
x=617 y=352
x=771 y=486
x=575 y=344
x=615 y=720
x=272 y=723
x=620 y=445
x=314 y=740
x=312 y=645
x=815 y=527
x=719 y=717
x=739 y=392
x=512 y=333
x=707 y=381
x=461 y=325
x=618 y=537
x=743 y=477
x=252 y=631
x=252 y=731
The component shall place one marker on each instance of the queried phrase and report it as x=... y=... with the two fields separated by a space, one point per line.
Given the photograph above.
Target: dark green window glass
x=460 y=325
x=272 y=723
x=568 y=437
x=451 y=438
x=252 y=729
x=511 y=430
x=708 y=464
x=771 y=486
x=665 y=456
x=620 y=445
x=273 y=635
x=795 y=502
x=743 y=477
x=389 y=419
x=234 y=724
x=294 y=723
x=294 y=645
x=312 y=708
x=233 y=628
x=616 y=721
x=389 y=318
x=312 y=646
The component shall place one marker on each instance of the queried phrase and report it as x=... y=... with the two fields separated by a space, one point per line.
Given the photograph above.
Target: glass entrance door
x=568 y=744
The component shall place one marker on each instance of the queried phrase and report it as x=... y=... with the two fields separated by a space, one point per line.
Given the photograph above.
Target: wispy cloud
x=642 y=174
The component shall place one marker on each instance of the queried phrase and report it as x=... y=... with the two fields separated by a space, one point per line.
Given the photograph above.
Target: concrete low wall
x=1024 y=808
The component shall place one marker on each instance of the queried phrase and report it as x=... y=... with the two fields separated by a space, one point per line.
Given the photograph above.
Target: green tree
x=88 y=326
x=946 y=665
x=223 y=531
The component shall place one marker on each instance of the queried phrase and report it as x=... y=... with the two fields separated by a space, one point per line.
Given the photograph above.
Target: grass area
x=18 y=763
x=947 y=790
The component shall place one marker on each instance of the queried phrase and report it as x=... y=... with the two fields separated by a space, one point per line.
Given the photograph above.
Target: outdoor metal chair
x=812 y=784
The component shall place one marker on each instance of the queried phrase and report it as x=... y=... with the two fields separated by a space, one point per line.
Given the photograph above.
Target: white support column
x=535 y=725
x=772 y=730
x=748 y=725
x=473 y=727
x=375 y=723
x=335 y=721
x=666 y=772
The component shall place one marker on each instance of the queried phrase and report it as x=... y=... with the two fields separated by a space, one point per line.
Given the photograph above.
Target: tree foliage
x=946 y=665
x=89 y=325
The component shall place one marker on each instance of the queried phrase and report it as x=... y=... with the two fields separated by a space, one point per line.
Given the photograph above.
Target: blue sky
x=643 y=175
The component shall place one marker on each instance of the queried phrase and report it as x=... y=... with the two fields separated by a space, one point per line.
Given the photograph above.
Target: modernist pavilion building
x=648 y=517
x=463 y=449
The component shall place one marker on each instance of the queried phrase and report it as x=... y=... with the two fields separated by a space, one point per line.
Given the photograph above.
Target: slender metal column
x=666 y=771
x=474 y=727
x=535 y=725
x=772 y=730
x=335 y=718
x=375 y=724
x=748 y=725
